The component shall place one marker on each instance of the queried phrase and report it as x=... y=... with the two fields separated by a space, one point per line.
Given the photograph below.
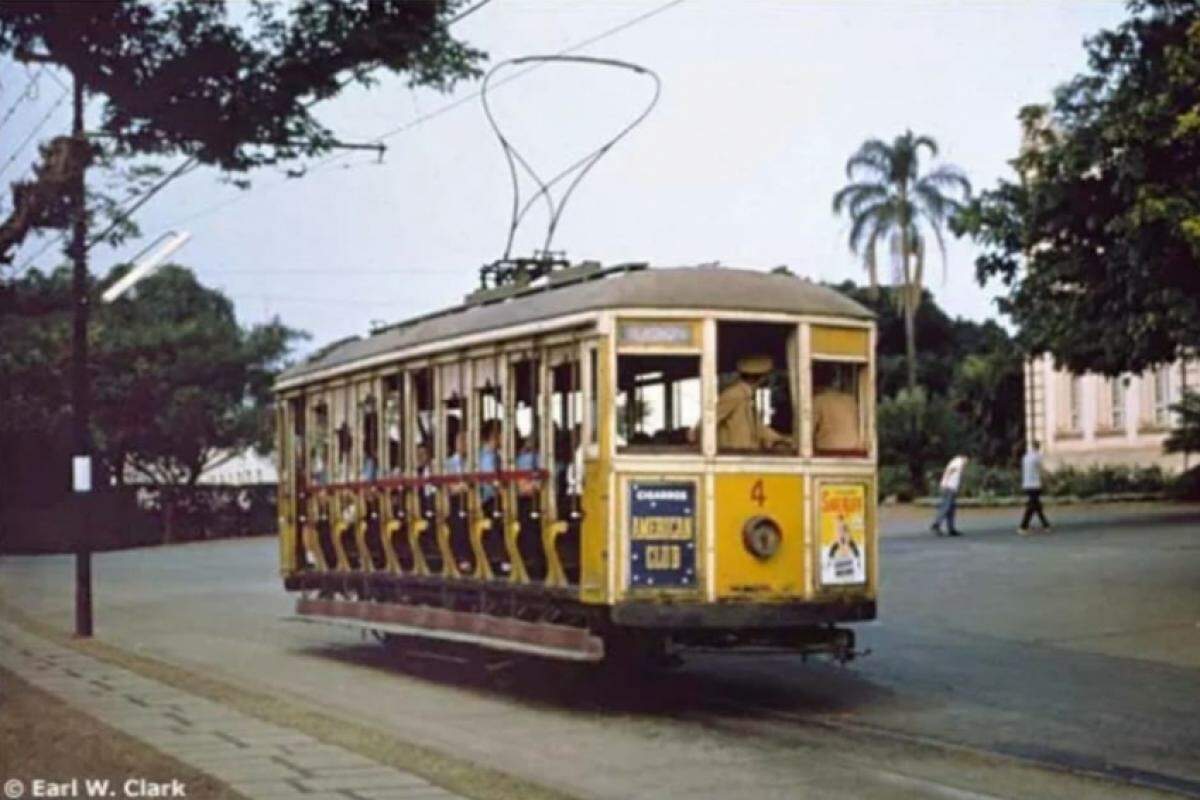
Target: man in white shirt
x=951 y=480
x=1031 y=483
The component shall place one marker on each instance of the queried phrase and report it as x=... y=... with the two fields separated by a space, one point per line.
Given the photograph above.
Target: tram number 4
x=664 y=556
x=758 y=494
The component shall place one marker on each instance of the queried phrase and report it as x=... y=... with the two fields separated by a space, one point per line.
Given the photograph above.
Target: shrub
x=986 y=481
x=1185 y=486
x=895 y=481
x=1104 y=479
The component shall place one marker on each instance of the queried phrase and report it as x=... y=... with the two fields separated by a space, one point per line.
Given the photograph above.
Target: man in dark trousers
x=1031 y=482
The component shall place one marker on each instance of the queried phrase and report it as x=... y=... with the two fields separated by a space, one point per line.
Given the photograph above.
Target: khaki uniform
x=739 y=426
x=835 y=421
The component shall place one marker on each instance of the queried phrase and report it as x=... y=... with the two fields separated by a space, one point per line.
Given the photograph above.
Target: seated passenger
x=456 y=465
x=835 y=413
x=739 y=424
x=527 y=461
x=427 y=491
x=489 y=461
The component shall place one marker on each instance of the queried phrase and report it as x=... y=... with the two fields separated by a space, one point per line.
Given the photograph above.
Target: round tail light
x=762 y=537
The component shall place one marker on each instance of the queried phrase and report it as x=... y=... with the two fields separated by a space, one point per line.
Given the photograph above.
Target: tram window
x=319 y=455
x=525 y=386
x=456 y=436
x=658 y=402
x=369 y=430
x=344 y=443
x=393 y=425
x=422 y=381
x=296 y=417
x=837 y=408
x=757 y=388
x=566 y=409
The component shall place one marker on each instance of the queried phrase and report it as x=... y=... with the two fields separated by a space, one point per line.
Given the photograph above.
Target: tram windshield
x=757 y=388
x=658 y=402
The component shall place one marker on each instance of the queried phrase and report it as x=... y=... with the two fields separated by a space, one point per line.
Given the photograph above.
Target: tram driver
x=739 y=424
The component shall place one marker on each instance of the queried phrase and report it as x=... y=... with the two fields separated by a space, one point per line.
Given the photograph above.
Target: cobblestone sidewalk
x=260 y=760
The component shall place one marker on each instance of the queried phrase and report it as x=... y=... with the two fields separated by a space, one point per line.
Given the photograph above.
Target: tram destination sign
x=657 y=333
x=662 y=535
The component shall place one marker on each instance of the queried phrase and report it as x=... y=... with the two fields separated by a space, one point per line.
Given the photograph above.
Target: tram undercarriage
x=548 y=622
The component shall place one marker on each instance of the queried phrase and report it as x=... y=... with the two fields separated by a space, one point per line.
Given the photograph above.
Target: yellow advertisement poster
x=843 y=525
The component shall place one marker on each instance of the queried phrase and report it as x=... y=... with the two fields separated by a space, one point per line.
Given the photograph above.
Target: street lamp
x=81 y=465
x=167 y=244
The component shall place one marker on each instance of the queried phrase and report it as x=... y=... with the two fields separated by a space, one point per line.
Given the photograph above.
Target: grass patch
x=43 y=737
x=457 y=775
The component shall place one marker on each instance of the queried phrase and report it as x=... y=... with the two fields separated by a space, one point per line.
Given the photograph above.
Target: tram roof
x=702 y=288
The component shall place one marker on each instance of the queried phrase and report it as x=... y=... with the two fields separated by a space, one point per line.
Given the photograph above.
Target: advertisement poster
x=662 y=535
x=843 y=525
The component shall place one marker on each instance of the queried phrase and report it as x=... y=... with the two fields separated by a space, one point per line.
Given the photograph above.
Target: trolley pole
x=80 y=390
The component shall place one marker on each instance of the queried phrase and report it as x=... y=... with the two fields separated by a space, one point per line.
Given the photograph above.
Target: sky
x=761 y=104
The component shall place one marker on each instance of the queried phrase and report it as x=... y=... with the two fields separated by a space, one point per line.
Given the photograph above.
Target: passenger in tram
x=527 y=461
x=739 y=424
x=370 y=468
x=427 y=491
x=528 y=507
x=489 y=461
x=318 y=467
x=835 y=411
x=456 y=465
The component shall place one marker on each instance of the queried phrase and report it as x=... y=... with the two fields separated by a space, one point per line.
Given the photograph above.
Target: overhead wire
x=186 y=166
x=36 y=129
x=422 y=119
x=22 y=97
x=410 y=125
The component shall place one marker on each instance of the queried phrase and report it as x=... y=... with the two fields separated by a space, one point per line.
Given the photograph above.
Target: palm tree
x=889 y=199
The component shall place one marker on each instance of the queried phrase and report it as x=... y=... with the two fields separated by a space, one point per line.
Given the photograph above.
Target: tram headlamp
x=762 y=537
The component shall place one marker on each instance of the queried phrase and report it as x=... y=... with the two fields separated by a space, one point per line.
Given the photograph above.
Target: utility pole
x=80 y=391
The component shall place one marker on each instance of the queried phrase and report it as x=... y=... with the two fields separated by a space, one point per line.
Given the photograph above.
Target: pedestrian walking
x=1031 y=484
x=951 y=481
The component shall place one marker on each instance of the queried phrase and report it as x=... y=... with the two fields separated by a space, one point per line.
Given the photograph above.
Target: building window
x=1117 y=399
x=1162 y=396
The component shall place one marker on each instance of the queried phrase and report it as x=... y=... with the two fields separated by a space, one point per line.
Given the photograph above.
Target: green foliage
x=1104 y=479
x=185 y=78
x=975 y=367
x=1186 y=486
x=990 y=481
x=889 y=200
x=915 y=431
x=1185 y=438
x=1096 y=239
x=174 y=377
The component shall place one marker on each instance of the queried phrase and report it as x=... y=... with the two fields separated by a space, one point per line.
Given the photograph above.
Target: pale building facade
x=1089 y=419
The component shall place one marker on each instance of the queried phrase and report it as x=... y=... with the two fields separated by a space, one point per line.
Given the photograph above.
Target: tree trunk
x=910 y=338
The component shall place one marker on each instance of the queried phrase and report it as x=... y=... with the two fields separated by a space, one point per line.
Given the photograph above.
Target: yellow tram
x=582 y=459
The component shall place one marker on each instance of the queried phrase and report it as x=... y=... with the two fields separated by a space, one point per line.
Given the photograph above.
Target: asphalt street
x=1058 y=665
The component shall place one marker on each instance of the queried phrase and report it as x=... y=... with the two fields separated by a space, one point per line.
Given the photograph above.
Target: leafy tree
x=183 y=78
x=987 y=394
x=973 y=369
x=1185 y=438
x=915 y=431
x=1097 y=237
x=177 y=379
x=890 y=200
